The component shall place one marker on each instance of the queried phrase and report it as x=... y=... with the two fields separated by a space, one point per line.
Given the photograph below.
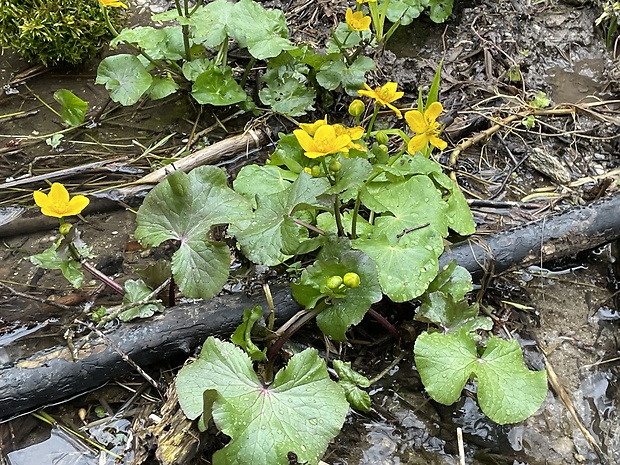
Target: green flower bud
x=382 y=137
x=334 y=282
x=316 y=171
x=351 y=280
x=334 y=165
x=357 y=107
x=65 y=228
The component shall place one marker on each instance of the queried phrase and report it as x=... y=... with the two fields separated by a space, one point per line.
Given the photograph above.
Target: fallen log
x=51 y=375
x=549 y=238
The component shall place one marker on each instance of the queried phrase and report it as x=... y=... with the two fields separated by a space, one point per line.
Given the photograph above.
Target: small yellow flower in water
x=112 y=3
x=425 y=127
x=384 y=95
x=324 y=142
x=357 y=21
x=57 y=203
x=311 y=128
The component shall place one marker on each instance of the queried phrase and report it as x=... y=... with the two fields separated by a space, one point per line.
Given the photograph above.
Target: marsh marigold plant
x=58 y=204
x=426 y=128
x=384 y=95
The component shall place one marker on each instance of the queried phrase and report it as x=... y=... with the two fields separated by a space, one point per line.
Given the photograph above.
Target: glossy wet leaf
x=405 y=270
x=184 y=207
x=350 y=177
x=507 y=391
x=453 y=280
x=263 y=180
x=162 y=87
x=452 y=315
x=136 y=291
x=346 y=307
x=73 y=108
x=352 y=382
x=217 y=86
x=272 y=236
x=289 y=153
x=125 y=77
x=300 y=412
x=458 y=213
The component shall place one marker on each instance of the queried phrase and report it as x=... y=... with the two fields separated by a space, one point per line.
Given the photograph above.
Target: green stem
x=341 y=47
x=222 y=54
x=372 y=121
x=246 y=73
x=184 y=28
x=337 y=216
x=356 y=209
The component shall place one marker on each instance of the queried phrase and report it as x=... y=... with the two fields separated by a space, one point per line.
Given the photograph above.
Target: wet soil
x=565 y=308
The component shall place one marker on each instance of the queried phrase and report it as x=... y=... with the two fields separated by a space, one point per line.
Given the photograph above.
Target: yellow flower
x=357 y=21
x=354 y=134
x=366 y=1
x=324 y=142
x=426 y=128
x=113 y=3
x=311 y=128
x=384 y=96
x=57 y=203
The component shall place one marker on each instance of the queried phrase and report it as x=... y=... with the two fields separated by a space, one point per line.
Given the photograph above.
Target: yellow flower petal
x=304 y=139
x=356 y=133
x=417 y=143
x=416 y=122
x=58 y=194
x=433 y=111
x=399 y=115
x=311 y=128
x=77 y=204
x=437 y=142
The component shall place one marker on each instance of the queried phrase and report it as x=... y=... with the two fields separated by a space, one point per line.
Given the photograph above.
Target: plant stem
x=246 y=73
x=372 y=121
x=184 y=28
x=385 y=323
x=337 y=216
x=356 y=209
x=293 y=328
x=307 y=225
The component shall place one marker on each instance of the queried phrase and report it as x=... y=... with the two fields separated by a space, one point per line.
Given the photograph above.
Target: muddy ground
x=567 y=308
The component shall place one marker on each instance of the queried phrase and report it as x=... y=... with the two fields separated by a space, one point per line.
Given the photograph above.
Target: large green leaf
x=272 y=235
x=263 y=180
x=73 y=108
x=405 y=270
x=264 y=32
x=162 y=87
x=164 y=43
x=217 y=86
x=185 y=207
x=507 y=391
x=458 y=214
x=351 y=177
x=300 y=412
x=125 y=77
x=352 y=77
x=288 y=96
x=348 y=307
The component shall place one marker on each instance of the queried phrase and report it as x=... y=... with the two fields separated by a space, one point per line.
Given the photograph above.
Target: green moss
x=55 y=31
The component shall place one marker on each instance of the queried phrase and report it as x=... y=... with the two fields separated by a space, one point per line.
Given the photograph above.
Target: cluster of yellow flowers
x=319 y=139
